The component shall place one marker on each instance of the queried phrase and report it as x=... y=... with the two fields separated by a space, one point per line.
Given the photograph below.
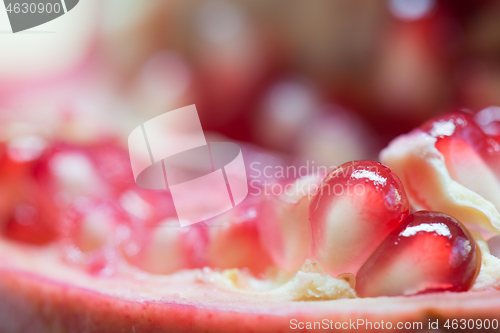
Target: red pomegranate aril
x=166 y=247
x=113 y=165
x=102 y=263
x=429 y=252
x=150 y=234
x=472 y=157
x=356 y=207
x=27 y=212
x=33 y=221
x=285 y=230
x=233 y=239
x=460 y=128
x=90 y=223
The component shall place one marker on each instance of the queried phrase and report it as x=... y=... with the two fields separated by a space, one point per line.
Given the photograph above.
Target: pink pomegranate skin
x=32 y=303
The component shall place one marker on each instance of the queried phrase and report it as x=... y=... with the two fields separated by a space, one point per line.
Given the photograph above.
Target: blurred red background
x=327 y=80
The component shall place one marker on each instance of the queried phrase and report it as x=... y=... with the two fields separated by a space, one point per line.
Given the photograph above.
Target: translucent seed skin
x=429 y=252
x=356 y=207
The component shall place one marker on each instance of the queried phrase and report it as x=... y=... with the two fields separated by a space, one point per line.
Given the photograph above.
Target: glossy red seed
x=429 y=252
x=165 y=248
x=472 y=157
x=461 y=127
x=285 y=230
x=27 y=209
x=32 y=220
x=233 y=239
x=356 y=207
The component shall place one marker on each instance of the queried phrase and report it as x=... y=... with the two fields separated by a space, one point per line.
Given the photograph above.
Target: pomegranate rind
x=63 y=299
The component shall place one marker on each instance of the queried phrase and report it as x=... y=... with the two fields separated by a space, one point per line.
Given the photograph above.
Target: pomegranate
x=284 y=224
x=117 y=260
x=429 y=252
x=450 y=165
x=355 y=208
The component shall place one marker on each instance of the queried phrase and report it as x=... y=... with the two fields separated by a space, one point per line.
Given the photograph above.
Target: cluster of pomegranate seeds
x=84 y=197
x=78 y=194
x=356 y=207
x=358 y=221
x=429 y=252
x=368 y=231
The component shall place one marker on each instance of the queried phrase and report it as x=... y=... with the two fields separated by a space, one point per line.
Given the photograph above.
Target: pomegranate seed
x=27 y=210
x=429 y=252
x=32 y=222
x=471 y=156
x=113 y=165
x=165 y=248
x=450 y=165
x=356 y=207
x=234 y=240
x=461 y=127
x=89 y=223
x=38 y=187
x=151 y=237
x=284 y=225
x=102 y=263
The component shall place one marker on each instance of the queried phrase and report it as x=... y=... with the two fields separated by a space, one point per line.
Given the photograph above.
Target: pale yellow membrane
x=310 y=283
x=489 y=275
